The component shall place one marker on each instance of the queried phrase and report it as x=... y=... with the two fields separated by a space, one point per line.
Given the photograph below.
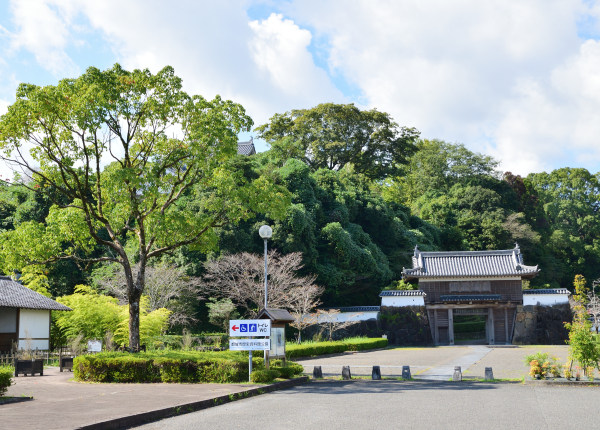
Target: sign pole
x=250 y=366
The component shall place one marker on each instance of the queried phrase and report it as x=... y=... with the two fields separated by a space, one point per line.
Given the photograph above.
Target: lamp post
x=266 y=232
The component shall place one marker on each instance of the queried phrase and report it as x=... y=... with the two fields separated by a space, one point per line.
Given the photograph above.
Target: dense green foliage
x=94 y=315
x=349 y=189
x=6 y=375
x=168 y=366
x=172 y=175
x=332 y=136
x=309 y=349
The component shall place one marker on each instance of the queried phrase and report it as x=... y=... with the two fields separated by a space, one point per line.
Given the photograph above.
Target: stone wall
x=406 y=325
x=541 y=325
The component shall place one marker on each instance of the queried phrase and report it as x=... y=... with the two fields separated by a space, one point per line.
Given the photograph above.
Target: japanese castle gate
x=484 y=285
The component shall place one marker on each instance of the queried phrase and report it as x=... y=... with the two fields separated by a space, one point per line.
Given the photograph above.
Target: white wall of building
x=34 y=324
x=399 y=301
x=545 y=299
x=342 y=316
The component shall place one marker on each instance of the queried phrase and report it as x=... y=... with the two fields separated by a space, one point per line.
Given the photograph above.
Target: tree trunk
x=134 y=320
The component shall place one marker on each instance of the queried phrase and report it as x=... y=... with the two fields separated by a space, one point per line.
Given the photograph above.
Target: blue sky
x=516 y=80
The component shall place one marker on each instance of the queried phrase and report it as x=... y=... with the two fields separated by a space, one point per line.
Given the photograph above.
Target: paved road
x=365 y=404
x=435 y=363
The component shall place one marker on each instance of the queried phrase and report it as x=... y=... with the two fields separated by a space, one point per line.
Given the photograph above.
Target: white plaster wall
x=399 y=301
x=545 y=299
x=348 y=316
x=34 y=324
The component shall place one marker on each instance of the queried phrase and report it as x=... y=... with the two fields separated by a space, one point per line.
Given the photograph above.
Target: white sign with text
x=249 y=328
x=249 y=344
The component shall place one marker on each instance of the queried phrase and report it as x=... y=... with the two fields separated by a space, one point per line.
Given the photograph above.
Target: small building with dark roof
x=246 y=148
x=471 y=296
x=25 y=316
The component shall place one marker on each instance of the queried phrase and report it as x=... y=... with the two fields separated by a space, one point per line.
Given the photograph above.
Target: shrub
x=319 y=348
x=263 y=376
x=171 y=366
x=542 y=366
x=6 y=374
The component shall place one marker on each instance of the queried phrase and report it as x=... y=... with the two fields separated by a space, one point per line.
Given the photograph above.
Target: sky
x=517 y=80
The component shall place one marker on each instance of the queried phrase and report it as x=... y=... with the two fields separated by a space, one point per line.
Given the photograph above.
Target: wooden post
x=450 y=326
x=436 y=332
x=506 y=326
x=491 y=325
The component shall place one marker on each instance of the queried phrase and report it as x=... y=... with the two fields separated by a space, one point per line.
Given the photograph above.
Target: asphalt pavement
x=392 y=404
x=59 y=402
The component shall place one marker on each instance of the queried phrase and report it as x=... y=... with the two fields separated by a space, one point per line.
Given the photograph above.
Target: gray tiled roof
x=355 y=309
x=15 y=295
x=388 y=293
x=464 y=264
x=548 y=291
x=280 y=315
x=246 y=148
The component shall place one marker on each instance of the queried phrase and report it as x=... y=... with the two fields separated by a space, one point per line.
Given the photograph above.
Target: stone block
x=317 y=372
x=346 y=373
x=457 y=376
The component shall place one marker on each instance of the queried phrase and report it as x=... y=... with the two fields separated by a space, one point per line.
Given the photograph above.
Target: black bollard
x=376 y=373
x=406 y=372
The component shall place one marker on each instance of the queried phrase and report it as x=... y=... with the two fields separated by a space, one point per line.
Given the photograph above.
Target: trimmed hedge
x=169 y=366
x=310 y=349
x=6 y=374
x=263 y=376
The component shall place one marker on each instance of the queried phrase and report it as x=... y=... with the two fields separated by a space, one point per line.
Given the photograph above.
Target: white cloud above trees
x=517 y=80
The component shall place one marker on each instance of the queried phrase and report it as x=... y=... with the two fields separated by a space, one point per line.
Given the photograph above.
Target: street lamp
x=265 y=232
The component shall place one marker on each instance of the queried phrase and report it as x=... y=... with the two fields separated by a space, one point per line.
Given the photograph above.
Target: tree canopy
x=332 y=136
x=136 y=159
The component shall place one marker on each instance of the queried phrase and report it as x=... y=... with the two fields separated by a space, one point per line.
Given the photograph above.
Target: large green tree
x=570 y=200
x=332 y=136
x=144 y=168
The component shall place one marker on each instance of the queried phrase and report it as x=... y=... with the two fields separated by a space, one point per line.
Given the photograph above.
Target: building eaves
x=401 y=293
x=548 y=291
x=15 y=295
x=465 y=264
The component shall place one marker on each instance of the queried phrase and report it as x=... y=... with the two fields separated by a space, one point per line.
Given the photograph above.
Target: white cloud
x=279 y=47
x=555 y=122
x=4 y=104
x=264 y=65
x=43 y=29
x=512 y=79
x=482 y=73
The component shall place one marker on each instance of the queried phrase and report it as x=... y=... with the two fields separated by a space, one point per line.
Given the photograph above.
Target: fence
x=49 y=357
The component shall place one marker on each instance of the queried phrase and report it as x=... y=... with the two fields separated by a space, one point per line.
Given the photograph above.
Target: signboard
x=278 y=342
x=248 y=328
x=94 y=345
x=249 y=344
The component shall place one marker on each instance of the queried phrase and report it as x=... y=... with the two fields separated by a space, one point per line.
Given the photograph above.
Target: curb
x=159 y=414
x=562 y=383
